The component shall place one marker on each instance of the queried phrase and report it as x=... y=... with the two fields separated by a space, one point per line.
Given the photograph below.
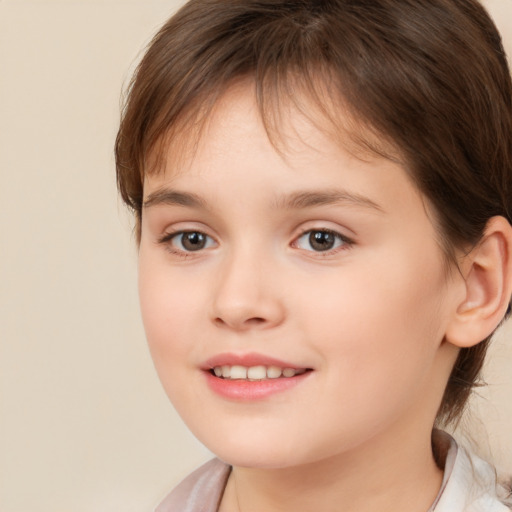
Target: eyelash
x=167 y=239
x=344 y=243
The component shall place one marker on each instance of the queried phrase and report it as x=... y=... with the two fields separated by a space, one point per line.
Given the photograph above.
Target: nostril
x=255 y=320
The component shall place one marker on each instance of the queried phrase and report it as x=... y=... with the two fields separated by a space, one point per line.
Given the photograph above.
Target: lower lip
x=246 y=390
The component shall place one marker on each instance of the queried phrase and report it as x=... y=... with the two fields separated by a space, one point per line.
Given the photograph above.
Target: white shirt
x=469 y=483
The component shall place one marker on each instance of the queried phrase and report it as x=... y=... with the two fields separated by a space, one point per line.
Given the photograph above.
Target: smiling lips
x=255 y=373
x=251 y=376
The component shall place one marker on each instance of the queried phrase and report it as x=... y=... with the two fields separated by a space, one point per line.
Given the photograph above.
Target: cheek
x=370 y=303
x=167 y=308
x=382 y=325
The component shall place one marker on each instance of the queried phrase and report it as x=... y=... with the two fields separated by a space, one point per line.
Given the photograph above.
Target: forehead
x=292 y=116
x=234 y=150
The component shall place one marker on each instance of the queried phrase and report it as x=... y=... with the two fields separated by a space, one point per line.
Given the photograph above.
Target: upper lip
x=248 y=360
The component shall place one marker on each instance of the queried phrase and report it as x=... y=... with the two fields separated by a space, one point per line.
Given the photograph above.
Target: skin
x=368 y=316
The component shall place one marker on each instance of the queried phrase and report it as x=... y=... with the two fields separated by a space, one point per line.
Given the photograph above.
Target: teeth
x=256 y=373
x=274 y=372
x=238 y=372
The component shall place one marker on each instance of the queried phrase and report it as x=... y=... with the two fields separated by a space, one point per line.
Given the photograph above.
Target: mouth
x=255 y=373
x=250 y=377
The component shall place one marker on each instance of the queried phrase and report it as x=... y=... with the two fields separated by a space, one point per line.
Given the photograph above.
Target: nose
x=247 y=294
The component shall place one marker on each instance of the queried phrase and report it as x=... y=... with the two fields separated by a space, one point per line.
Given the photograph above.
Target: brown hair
x=428 y=75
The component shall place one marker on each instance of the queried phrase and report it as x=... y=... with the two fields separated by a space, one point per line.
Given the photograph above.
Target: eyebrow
x=173 y=197
x=308 y=199
x=295 y=201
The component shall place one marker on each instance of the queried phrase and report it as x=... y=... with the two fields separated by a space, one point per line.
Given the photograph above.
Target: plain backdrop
x=84 y=424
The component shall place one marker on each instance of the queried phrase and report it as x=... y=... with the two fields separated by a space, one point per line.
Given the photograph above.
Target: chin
x=251 y=451
x=255 y=458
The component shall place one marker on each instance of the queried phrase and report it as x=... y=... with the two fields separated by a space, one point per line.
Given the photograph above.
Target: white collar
x=469 y=483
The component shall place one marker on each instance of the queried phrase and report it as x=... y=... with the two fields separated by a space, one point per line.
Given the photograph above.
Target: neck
x=381 y=476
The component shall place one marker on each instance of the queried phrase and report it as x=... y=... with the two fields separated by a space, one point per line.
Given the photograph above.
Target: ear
x=487 y=274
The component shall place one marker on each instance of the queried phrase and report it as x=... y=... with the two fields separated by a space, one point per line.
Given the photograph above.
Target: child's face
x=318 y=260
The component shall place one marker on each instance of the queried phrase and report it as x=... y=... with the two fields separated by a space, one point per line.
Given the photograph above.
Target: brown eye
x=187 y=241
x=193 y=240
x=321 y=240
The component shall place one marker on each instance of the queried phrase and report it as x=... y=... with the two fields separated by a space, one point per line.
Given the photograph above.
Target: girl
x=323 y=198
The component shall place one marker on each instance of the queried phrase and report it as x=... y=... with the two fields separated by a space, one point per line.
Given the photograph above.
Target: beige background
x=84 y=425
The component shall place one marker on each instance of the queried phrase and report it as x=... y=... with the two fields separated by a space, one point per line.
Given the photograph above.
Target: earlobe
x=487 y=272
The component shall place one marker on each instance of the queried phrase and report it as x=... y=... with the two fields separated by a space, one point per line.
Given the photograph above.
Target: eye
x=188 y=241
x=321 y=240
